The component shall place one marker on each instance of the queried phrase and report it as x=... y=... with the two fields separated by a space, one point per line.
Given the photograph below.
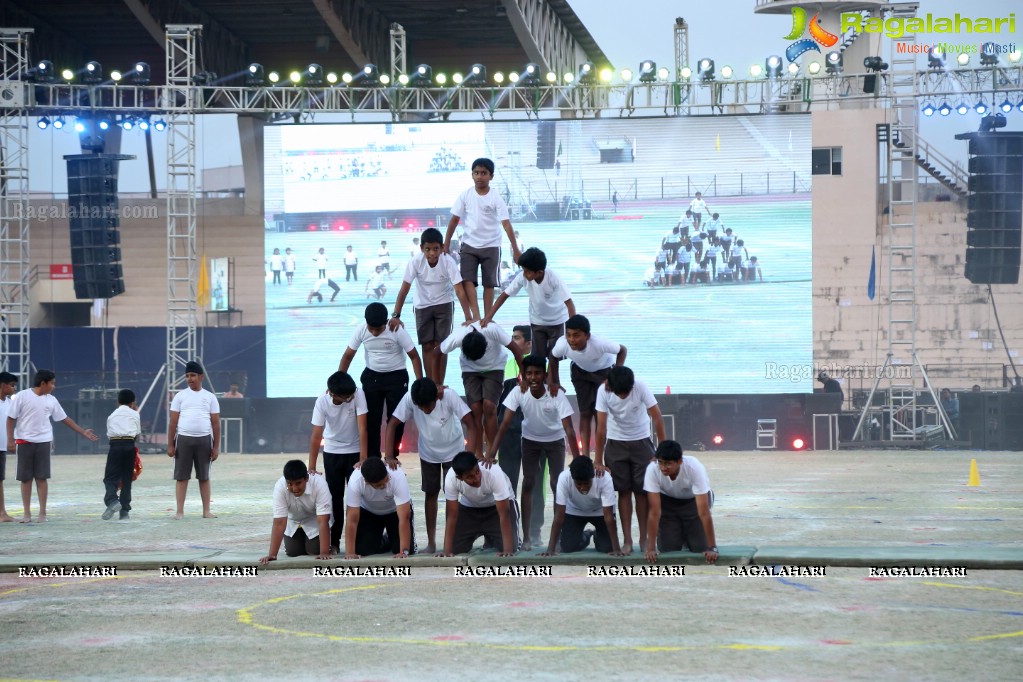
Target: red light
x=429 y=223
x=312 y=227
x=798 y=444
x=718 y=439
x=365 y=226
x=390 y=224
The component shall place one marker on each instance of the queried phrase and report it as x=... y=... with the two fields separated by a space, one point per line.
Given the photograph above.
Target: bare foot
x=209 y=515
x=627 y=549
x=179 y=516
x=430 y=549
x=6 y=518
x=41 y=518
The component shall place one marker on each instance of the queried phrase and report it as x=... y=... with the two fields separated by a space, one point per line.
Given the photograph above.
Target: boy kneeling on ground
x=480 y=502
x=379 y=515
x=679 y=499
x=302 y=514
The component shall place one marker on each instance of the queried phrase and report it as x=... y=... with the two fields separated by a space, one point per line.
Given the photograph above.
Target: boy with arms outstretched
x=546 y=423
x=592 y=358
x=550 y=303
x=625 y=407
x=483 y=213
x=438 y=282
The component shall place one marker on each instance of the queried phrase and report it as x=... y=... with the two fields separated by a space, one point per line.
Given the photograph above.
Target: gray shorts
x=586 y=386
x=480 y=386
x=193 y=452
x=433 y=322
x=487 y=261
x=33 y=461
x=544 y=338
x=628 y=460
x=433 y=476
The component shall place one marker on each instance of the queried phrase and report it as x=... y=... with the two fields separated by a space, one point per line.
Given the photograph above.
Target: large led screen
x=600 y=197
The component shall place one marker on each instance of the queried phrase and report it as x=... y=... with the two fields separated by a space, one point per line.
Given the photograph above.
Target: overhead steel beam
x=141 y=11
x=363 y=33
x=545 y=38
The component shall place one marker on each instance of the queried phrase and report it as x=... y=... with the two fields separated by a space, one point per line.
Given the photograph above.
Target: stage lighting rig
x=477 y=76
x=530 y=77
x=833 y=62
x=988 y=54
x=422 y=77
x=875 y=64
x=141 y=74
x=93 y=73
x=255 y=76
x=936 y=59
x=587 y=74
x=314 y=75
x=647 y=71
x=772 y=66
x=43 y=72
x=705 y=69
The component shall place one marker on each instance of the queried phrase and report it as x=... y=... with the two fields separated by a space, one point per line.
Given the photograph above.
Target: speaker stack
x=995 y=203
x=94 y=218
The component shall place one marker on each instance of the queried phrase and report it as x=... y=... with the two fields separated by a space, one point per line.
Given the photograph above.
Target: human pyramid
x=362 y=496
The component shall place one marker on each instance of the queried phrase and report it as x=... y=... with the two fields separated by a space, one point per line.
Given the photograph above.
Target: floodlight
x=875 y=64
x=568 y=77
x=127 y=123
x=814 y=68
x=793 y=69
x=43 y=123
x=686 y=73
x=477 y=75
x=663 y=74
x=369 y=75
x=116 y=76
x=442 y=79
x=513 y=77
x=647 y=71
x=626 y=75
x=772 y=65
x=606 y=75
x=332 y=77
x=79 y=127
x=93 y=73
x=705 y=69
x=385 y=79
x=988 y=54
x=104 y=124
x=727 y=71
x=499 y=77
x=551 y=77
x=44 y=72
x=1015 y=56
x=587 y=74
x=143 y=124
x=274 y=77
x=756 y=71
x=295 y=77
x=962 y=109
x=833 y=62
x=68 y=75
x=963 y=59
x=928 y=109
x=255 y=76
x=140 y=75
x=936 y=58
x=314 y=75
x=531 y=75
x=159 y=125
x=980 y=107
x=403 y=79
x=1006 y=106
x=347 y=78
x=945 y=109
x=58 y=122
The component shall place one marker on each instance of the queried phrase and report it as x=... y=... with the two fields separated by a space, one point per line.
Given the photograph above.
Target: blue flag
x=873 y=276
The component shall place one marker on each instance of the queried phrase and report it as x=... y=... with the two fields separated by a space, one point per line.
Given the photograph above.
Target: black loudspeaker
x=94 y=219
x=546 y=140
x=995 y=204
x=870 y=82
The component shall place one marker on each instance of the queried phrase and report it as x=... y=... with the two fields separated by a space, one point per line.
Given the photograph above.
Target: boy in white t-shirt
x=439 y=419
x=438 y=282
x=581 y=499
x=698 y=207
x=8 y=387
x=592 y=358
x=680 y=499
x=289 y=266
x=339 y=422
x=385 y=379
x=546 y=423
x=124 y=426
x=550 y=302
x=483 y=364
x=29 y=427
x=625 y=408
x=276 y=266
x=302 y=514
x=321 y=261
x=378 y=519
x=193 y=438
x=484 y=214
x=480 y=503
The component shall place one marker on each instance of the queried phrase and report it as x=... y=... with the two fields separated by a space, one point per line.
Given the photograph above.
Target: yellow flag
x=203 y=290
x=717 y=143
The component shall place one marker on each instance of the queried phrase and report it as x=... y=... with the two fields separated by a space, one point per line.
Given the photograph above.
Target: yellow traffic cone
x=974 y=474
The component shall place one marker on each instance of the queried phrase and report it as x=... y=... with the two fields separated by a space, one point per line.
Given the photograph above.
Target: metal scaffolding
x=179 y=102
x=15 y=100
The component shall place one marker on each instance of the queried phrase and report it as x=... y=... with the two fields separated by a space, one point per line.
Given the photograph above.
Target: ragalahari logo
x=818 y=35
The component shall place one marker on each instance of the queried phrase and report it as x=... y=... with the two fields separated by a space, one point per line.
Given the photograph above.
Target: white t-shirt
x=598 y=354
x=375 y=280
x=289 y=262
x=340 y=422
x=384 y=254
x=546 y=298
x=303 y=510
x=434 y=286
x=691 y=481
x=382 y=501
x=494 y=487
x=481 y=217
x=277 y=262
x=321 y=261
x=440 y=432
x=34 y=413
x=351 y=258
x=698 y=206
x=123 y=422
x=493 y=358
x=601 y=494
x=386 y=352
x=627 y=419
x=5 y=408
x=541 y=417
x=194 y=409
